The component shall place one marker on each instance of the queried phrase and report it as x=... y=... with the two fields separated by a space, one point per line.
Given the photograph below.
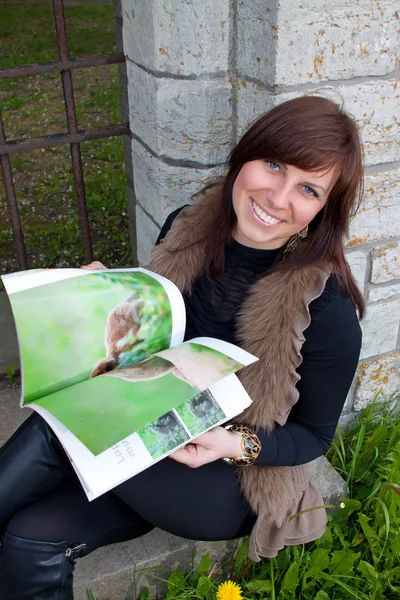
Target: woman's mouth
x=263 y=217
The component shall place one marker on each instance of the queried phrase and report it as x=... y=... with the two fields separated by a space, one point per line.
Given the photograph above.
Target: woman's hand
x=94 y=266
x=208 y=447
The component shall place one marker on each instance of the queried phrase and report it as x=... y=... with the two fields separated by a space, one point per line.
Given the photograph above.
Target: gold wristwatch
x=251 y=446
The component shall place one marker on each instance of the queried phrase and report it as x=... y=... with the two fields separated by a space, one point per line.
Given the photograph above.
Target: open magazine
x=104 y=362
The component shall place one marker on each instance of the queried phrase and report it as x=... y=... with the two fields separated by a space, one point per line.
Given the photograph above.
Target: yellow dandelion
x=229 y=591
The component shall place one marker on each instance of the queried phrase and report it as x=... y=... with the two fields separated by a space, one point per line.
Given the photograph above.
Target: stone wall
x=200 y=72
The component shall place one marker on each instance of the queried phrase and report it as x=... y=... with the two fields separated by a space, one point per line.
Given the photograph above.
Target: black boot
x=32 y=464
x=37 y=570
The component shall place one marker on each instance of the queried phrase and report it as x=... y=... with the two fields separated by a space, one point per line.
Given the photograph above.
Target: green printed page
x=104 y=410
x=62 y=327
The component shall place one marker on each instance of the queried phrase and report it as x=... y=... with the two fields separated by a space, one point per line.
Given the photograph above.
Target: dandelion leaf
x=258 y=586
x=291 y=579
x=204 y=565
x=176 y=581
x=342 y=562
x=204 y=585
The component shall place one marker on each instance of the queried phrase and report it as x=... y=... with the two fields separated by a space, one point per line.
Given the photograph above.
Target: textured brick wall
x=181 y=102
x=200 y=72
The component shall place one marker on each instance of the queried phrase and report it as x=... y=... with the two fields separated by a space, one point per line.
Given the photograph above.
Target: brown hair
x=313 y=134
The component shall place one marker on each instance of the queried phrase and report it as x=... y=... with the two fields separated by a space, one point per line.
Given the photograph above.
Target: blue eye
x=308 y=190
x=273 y=165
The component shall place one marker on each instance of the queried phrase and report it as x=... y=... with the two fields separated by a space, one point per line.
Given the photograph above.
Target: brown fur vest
x=270 y=326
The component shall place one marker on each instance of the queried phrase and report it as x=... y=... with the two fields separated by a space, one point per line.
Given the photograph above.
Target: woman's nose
x=279 y=197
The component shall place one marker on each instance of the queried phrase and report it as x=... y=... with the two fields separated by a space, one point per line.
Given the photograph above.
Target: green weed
x=10 y=376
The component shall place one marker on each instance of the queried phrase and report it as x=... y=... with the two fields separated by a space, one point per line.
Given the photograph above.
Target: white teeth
x=263 y=216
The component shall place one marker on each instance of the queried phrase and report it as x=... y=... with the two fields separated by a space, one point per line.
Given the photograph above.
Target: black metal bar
x=63 y=53
x=12 y=202
x=55 y=67
x=59 y=139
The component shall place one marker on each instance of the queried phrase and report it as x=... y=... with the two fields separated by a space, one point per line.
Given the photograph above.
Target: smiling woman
x=259 y=259
x=273 y=202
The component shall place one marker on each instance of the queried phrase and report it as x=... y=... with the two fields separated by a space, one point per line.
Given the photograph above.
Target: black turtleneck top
x=330 y=351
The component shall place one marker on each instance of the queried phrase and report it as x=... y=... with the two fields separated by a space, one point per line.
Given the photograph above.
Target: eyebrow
x=310 y=184
x=307 y=182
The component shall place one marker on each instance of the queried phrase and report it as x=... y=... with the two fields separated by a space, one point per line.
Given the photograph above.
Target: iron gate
x=73 y=136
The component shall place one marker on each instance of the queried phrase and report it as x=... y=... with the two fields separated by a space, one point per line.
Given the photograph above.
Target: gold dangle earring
x=294 y=242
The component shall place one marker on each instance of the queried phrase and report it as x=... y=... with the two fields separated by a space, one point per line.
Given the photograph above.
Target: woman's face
x=273 y=201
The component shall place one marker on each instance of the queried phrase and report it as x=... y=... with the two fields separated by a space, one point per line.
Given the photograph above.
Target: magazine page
x=74 y=324
x=203 y=361
x=153 y=442
x=102 y=411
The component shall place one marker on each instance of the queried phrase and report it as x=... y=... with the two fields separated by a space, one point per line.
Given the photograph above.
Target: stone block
x=257 y=39
x=327 y=479
x=146 y=233
x=162 y=544
x=189 y=120
x=386 y=261
x=347 y=420
x=160 y=188
x=109 y=572
x=375 y=105
x=177 y=36
x=380 y=327
x=378 y=375
x=378 y=217
x=253 y=100
x=318 y=40
x=358 y=265
x=383 y=292
x=168 y=552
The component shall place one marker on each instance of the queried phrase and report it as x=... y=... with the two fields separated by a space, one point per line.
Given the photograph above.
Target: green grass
x=33 y=106
x=28 y=34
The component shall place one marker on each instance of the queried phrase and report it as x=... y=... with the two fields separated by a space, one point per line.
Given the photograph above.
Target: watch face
x=251 y=445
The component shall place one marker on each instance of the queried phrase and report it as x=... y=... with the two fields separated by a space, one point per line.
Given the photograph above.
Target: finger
x=189 y=450
x=180 y=458
x=209 y=437
x=186 y=458
x=195 y=456
x=203 y=438
x=94 y=266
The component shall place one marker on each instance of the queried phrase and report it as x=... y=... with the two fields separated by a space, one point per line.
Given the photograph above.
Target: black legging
x=200 y=504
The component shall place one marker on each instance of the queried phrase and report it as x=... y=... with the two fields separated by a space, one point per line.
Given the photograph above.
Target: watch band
x=251 y=446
